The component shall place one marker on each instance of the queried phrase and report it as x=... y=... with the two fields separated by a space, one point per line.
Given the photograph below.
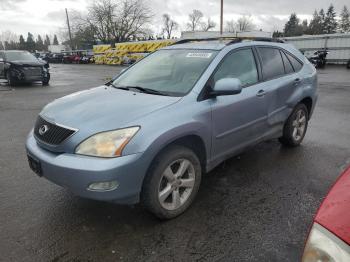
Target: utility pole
x=222 y=17
x=70 y=34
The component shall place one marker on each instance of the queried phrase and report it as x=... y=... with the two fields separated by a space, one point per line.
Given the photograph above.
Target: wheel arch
x=307 y=101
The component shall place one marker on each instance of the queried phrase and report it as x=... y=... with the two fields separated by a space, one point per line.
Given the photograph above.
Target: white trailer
x=338 y=46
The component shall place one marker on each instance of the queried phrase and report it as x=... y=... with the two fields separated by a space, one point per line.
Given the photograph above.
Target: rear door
x=238 y=120
x=280 y=80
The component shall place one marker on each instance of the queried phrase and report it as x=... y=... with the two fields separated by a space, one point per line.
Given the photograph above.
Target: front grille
x=32 y=71
x=50 y=133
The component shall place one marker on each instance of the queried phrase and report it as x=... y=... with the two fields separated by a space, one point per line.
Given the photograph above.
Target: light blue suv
x=149 y=134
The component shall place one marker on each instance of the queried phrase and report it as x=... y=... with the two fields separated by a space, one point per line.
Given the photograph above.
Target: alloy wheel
x=299 y=125
x=176 y=184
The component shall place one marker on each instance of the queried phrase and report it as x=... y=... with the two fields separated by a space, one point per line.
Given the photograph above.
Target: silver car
x=149 y=134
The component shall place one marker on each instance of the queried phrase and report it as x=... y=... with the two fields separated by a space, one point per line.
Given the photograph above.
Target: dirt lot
x=255 y=207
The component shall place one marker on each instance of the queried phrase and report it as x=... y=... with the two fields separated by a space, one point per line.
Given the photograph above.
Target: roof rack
x=233 y=39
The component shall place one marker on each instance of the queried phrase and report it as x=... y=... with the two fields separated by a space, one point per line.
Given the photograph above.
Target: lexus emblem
x=43 y=129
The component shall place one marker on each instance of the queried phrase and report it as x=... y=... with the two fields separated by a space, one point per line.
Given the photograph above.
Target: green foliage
x=330 y=23
x=344 y=23
x=293 y=26
x=55 y=41
x=30 y=42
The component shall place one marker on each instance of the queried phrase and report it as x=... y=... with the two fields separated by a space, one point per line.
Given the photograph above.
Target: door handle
x=261 y=93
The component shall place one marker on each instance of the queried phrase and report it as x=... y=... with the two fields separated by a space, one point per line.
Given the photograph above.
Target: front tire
x=172 y=182
x=295 y=127
x=10 y=79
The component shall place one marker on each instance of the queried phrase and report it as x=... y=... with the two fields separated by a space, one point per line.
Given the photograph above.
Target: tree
x=22 y=43
x=118 y=20
x=277 y=34
x=206 y=26
x=322 y=18
x=55 y=40
x=305 y=27
x=316 y=24
x=292 y=27
x=195 y=20
x=245 y=23
x=1 y=46
x=344 y=23
x=168 y=25
x=30 y=42
x=230 y=26
x=39 y=45
x=330 y=23
x=46 y=43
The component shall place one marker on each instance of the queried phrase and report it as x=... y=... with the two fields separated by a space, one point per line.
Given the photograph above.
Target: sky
x=48 y=16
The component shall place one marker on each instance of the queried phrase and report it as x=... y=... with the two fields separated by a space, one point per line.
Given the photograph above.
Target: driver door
x=238 y=120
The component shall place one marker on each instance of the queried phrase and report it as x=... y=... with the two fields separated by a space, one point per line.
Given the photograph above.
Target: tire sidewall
x=149 y=196
x=288 y=129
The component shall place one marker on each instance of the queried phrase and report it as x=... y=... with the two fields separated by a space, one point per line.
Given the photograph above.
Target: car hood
x=26 y=63
x=103 y=108
x=334 y=212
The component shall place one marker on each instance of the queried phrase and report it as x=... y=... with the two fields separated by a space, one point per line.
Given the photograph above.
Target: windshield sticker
x=199 y=55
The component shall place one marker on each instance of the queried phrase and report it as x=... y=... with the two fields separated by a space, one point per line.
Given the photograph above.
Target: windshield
x=171 y=72
x=20 y=56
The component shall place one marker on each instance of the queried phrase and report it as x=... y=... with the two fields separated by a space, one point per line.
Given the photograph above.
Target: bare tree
x=168 y=25
x=195 y=19
x=245 y=23
x=208 y=25
x=230 y=26
x=118 y=20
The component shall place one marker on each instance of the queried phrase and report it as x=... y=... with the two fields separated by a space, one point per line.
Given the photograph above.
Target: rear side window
x=287 y=65
x=239 y=64
x=296 y=64
x=272 y=64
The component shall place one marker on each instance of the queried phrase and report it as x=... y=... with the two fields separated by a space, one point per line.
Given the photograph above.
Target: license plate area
x=35 y=165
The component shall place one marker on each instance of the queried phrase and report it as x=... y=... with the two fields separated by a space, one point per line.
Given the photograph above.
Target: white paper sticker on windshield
x=199 y=55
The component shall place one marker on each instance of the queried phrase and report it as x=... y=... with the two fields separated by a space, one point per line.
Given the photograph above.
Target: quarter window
x=239 y=64
x=287 y=65
x=296 y=64
x=272 y=64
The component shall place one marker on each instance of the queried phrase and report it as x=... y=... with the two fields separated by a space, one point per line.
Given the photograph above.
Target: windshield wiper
x=141 y=89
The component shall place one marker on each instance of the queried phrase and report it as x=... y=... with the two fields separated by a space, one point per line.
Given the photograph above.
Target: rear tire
x=172 y=182
x=295 y=127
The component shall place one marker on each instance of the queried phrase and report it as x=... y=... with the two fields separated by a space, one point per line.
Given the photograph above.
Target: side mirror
x=227 y=86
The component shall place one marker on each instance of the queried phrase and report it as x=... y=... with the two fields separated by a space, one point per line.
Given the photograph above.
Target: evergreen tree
x=322 y=21
x=1 y=46
x=305 y=27
x=30 y=42
x=344 y=24
x=55 y=41
x=292 y=27
x=315 y=26
x=330 y=23
x=22 y=43
x=46 y=43
x=39 y=45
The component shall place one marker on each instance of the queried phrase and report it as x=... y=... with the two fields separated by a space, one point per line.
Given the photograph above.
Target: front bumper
x=77 y=172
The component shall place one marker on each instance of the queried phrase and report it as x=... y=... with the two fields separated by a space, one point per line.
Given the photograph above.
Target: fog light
x=103 y=186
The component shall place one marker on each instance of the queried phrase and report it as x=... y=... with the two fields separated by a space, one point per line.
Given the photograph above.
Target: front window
x=20 y=56
x=170 y=72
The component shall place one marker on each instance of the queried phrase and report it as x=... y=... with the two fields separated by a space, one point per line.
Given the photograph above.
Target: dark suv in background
x=22 y=67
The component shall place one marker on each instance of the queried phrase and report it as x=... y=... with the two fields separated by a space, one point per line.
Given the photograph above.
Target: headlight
x=107 y=144
x=323 y=246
